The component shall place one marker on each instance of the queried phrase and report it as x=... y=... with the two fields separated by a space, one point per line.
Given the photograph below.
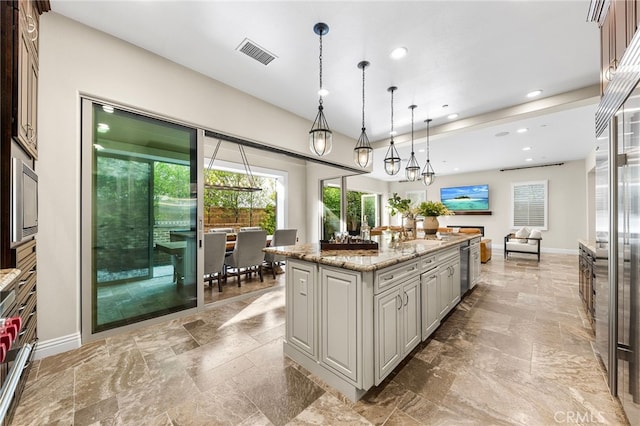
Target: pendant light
x=320 y=137
x=428 y=175
x=392 y=158
x=363 y=153
x=413 y=168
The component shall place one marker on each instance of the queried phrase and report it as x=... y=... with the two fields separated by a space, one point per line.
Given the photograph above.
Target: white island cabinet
x=353 y=315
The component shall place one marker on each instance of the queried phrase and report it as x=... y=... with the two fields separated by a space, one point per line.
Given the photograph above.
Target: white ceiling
x=474 y=56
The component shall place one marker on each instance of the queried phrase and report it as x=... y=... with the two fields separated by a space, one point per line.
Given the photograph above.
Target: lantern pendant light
x=320 y=136
x=392 y=158
x=363 y=152
x=413 y=168
x=428 y=175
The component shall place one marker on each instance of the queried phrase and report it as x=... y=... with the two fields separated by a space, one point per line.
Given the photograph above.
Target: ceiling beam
x=589 y=95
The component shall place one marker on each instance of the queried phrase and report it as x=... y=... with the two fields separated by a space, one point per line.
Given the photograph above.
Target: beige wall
x=76 y=60
x=567 y=202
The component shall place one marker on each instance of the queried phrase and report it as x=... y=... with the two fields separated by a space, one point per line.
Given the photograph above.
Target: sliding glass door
x=139 y=225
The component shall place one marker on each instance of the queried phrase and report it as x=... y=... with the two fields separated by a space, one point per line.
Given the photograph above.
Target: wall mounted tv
x=465 y=198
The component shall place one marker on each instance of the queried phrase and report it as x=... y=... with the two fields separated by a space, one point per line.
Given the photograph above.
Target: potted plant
x=405 y=208
x=431 y=210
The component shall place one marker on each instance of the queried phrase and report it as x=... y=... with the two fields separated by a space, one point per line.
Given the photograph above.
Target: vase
x=430 y=225
x=410 y=227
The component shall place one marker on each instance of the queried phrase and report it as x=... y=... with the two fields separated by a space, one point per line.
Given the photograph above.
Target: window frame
x=545 y=187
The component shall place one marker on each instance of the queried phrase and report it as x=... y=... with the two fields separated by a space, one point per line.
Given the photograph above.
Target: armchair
x=530 y=244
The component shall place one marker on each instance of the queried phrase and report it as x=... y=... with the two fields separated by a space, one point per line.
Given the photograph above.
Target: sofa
x=523 y=241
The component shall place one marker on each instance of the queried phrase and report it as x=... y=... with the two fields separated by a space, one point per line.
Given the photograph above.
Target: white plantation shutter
x=529 y=204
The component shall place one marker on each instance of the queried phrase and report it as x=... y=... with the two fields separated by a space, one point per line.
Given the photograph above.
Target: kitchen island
x=353 y=315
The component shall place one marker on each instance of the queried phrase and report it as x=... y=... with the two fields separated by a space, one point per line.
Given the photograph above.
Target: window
x=529 y=204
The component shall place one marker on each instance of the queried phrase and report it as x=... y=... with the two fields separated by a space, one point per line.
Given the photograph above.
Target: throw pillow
x=535 y=233
x=522 y=234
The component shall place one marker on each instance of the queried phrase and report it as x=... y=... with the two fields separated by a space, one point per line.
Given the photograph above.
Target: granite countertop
x=599 y=250
x=370 y=260
x=7 y=276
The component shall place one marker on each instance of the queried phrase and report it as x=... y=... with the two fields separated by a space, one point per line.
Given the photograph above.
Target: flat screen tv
x=465 y=198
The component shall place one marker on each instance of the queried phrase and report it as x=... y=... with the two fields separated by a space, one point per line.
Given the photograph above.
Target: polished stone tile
x=328 y=410
x=280 y=394
x=517 y=351
x=222 y=404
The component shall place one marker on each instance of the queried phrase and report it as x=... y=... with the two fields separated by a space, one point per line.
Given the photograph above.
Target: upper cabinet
x=25 y=129
x=616 y=33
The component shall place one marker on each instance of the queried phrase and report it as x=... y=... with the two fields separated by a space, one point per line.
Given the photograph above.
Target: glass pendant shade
x=412 y=170
x=363 y=152
x=320 y=136
x=392 y=158
x=428 y=175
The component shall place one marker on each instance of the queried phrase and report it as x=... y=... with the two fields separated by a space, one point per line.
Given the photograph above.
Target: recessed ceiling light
x=455 y=169
x=107 y=108
x=522 y=130
x=452 y=116
x=526 y=148
x=528 y=159
x=103 y=128
x=502 y=134
x=534 y=93
x=399 y=53
x=323 y=92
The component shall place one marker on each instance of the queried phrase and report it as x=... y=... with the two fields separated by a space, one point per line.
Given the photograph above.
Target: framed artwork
x=416 y=197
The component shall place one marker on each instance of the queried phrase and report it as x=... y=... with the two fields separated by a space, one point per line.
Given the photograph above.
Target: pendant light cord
x=320 y=58
x=363 y=67
x=412 y=128
x=428 y=121
x=392 y=115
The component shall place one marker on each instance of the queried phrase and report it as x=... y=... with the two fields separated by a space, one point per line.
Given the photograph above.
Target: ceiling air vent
x=256 y=52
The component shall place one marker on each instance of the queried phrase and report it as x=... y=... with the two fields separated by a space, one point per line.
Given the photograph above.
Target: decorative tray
x=367 y=245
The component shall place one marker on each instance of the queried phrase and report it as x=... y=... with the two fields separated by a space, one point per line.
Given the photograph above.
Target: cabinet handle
x=406 y=301
x=429 y=261
x=400 y=299
x=388 y=278
x=413 y=268
x=22 y=283
x=433 y=276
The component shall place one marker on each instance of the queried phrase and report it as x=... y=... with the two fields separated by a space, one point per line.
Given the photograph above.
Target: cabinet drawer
x=448 y=255
x=388 y=277
x=428 y=262
x=25 y=286
x=24 y=252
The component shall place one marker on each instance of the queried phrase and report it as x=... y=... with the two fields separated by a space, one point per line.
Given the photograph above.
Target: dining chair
x=281 y=237
x=247 y=253
x=214 y=254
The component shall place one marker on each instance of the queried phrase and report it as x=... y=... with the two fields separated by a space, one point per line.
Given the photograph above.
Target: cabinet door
x=411 y=321
x=455 y=283
x=27 y=113
x=430 y=296
x=444 y=283
x=339 y=315
x=475 y=266
x=388 y=308
x=301 y=307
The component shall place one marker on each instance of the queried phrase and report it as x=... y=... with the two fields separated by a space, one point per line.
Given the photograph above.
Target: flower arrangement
x=433 y=208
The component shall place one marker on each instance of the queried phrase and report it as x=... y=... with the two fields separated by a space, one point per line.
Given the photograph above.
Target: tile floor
x=517 y=350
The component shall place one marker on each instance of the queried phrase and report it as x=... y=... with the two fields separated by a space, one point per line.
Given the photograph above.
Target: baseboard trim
x=46 y=348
